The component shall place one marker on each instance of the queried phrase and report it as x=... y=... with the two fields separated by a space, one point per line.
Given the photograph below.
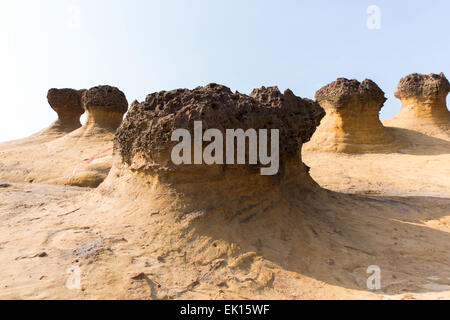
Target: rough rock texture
x=147 y=129
x=105 y=106
x=422 y=86
x=424 y=105
x=343 y=92
x=351 y=124
x=295 y=109
x=67 y=104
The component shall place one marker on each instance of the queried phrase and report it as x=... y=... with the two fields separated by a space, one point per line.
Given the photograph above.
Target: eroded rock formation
x=424 y=105
x=144 y=137
x=67 y=104
x=105 y=107
x=143 y=145
x=352 y=123
x=240 y=229
x=81 y=157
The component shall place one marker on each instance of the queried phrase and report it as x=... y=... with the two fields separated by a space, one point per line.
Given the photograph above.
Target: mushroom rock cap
x=352 y=123
x=307 y=112
x=67 y=104
x=421 y=86
x=424 y=105
x=146 y=131
x=105 y=105
x=343 y=91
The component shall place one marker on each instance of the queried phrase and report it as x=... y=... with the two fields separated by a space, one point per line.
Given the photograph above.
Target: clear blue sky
x=147 y=46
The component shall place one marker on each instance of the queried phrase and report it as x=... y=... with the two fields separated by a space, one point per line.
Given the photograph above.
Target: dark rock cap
x=292 y=109
x=342 y=91
x=65 y=101
x=105 y=97
x=148 y=126
x=423 y=86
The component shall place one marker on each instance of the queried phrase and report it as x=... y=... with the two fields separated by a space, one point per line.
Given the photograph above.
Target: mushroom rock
x=352 y=123
x=424 y=105
x=142 y=147
x=105 y=107
x=92 y=143
x=67 y=104
x=82 y=157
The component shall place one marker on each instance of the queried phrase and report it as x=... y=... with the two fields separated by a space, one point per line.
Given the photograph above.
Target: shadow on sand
x=334 y=238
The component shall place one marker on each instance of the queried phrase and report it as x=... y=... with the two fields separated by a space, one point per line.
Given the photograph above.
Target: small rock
x=138 y=276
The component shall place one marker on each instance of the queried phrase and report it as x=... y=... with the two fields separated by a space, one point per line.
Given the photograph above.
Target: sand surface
x=322 y=254
x=127 y=248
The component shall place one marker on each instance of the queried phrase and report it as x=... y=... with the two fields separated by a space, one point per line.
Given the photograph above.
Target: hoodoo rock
x=105 y=106
x=352 y=123
x=81 y=157
x=424 y=105
x=67 y=104
x=143 y=146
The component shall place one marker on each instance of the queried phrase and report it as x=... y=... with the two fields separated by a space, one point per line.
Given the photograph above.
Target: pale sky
x=147 y=46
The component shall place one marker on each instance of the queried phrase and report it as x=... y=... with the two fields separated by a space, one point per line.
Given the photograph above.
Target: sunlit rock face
x=424 y=105
x=352 y=123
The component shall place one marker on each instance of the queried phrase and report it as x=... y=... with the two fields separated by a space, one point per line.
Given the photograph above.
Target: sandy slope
x=149 y=250
x=74 y=155
x=137 y=237
x=422 y=169
x=56 y=160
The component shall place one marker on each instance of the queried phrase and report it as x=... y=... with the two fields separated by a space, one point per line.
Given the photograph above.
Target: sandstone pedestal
x=424 y=105
x=352 y=123
x=67 y=104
